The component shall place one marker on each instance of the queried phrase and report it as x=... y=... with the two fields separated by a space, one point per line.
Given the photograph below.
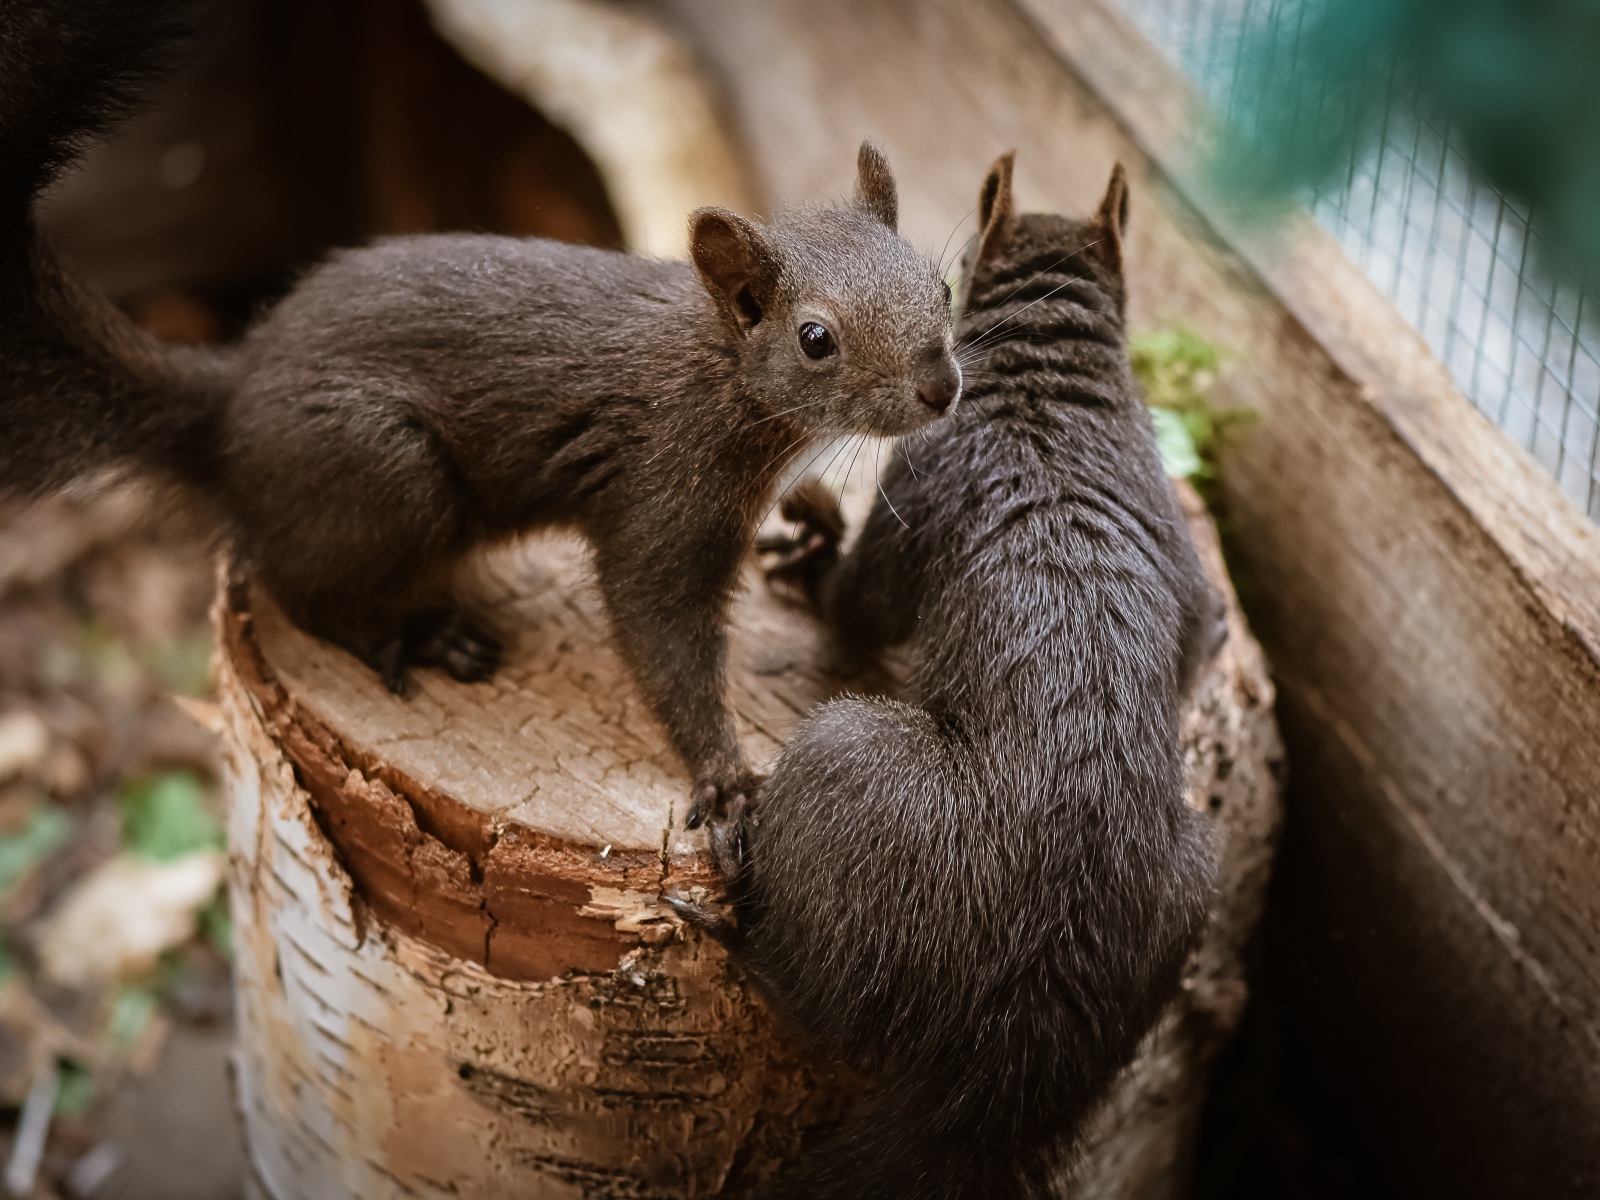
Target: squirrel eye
x=816 y=341
x=949 y=297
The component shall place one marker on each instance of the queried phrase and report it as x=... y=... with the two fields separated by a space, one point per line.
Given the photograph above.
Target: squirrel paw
x=728 y=815
x=456 y=643
x=390 y=664
x=707 y=920
x=730 y=841
x=714 y=801
x=805 y=558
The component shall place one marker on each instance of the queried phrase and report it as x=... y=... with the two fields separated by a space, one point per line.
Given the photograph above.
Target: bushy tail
x=81 y=387
x=907 y=1143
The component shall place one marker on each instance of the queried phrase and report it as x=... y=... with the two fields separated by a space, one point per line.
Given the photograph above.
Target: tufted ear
x=875 y=188
x=736 y=265
x=995 y=208
x=1113 y=218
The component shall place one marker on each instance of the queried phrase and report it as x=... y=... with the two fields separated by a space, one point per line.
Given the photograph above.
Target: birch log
x=453 y=975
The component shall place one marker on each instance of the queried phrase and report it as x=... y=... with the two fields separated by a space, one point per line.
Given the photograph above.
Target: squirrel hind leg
x=346 y=617
x=454 y=641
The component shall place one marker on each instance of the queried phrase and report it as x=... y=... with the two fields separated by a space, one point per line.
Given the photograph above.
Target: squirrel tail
x=81 y=386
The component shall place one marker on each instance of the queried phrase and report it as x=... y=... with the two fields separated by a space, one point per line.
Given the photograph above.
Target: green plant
x=77 y=1090
x=47 y=830
x=184 y=663
x=1176 y=367
x=165 y=816
x=216 y=925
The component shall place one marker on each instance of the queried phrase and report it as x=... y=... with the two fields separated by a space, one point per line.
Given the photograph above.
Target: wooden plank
x=1430 y=600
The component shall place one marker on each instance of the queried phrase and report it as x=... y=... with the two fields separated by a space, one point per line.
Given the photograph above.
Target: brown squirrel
x=423 y=396
x=982 y=894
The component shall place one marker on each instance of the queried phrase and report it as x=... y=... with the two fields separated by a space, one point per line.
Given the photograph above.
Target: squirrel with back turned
x=981 y=895
x=413 y=400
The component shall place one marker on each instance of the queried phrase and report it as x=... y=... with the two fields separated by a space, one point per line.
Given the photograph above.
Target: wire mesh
x=1460 y=261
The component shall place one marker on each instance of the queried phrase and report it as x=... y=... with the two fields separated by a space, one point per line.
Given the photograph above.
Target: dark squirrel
x=981 y=896
x=427 y=395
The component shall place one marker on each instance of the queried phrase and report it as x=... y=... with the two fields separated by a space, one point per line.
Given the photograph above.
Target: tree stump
x=453 y=975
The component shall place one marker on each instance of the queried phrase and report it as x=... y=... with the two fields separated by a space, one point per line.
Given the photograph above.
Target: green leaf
x=77 y=1091
x=184 y=664
x=1178 y=454
x=165 y=816
x=217 y=925
x=1176 y=367
x=130 y=1013
x=47 y=829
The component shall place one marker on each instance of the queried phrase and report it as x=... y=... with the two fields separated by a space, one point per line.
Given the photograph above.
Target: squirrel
x=420 y=397
x=983 y=894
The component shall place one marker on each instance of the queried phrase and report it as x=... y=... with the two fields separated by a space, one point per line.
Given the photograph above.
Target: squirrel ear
x=1113 y=218
x=875 y=189
x=995 y=207
x=735 y=263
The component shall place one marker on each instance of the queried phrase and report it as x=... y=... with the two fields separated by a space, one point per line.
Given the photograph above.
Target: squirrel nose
x=941 y=391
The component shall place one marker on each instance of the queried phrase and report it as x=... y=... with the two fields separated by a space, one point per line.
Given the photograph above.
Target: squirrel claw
x=704 y=919
x=454 y=642
x=728 y=814
x=797 y=553
x=729 y=827
x=704 y=797
x=391 y=667
x=811 y=504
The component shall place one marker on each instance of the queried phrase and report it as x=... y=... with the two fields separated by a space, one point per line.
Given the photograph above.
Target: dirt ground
x=115 y=1017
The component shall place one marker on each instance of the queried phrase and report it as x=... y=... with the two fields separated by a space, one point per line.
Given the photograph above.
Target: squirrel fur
x=415 y=399
x=982 y=895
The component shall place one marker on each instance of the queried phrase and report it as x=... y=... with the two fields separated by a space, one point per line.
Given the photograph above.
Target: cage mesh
x=1459 y=259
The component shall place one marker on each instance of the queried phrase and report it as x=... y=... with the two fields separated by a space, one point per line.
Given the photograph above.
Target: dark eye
x=948 y=297
x=816 y=341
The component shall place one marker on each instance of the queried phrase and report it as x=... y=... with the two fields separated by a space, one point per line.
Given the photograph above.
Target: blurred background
x=1450 y=149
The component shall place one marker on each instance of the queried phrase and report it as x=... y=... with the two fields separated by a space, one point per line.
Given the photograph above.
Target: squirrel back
x=983 y=895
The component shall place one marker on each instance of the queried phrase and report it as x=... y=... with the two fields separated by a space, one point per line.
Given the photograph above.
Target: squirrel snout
x=941 y=390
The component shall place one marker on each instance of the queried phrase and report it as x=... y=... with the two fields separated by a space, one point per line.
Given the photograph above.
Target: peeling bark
x=454 y=977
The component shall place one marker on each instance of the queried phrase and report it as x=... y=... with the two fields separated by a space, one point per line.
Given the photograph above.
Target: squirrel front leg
x=669 y=611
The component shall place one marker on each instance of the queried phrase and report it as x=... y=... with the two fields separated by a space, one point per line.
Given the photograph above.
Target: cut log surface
x=454 y=975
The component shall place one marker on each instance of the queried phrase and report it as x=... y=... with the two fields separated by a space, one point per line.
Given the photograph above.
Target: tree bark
x=454 y=978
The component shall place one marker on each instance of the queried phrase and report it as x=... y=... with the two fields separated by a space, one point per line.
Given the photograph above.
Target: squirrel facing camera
x=826 y=324
x=981 y=894
x=415 y=399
